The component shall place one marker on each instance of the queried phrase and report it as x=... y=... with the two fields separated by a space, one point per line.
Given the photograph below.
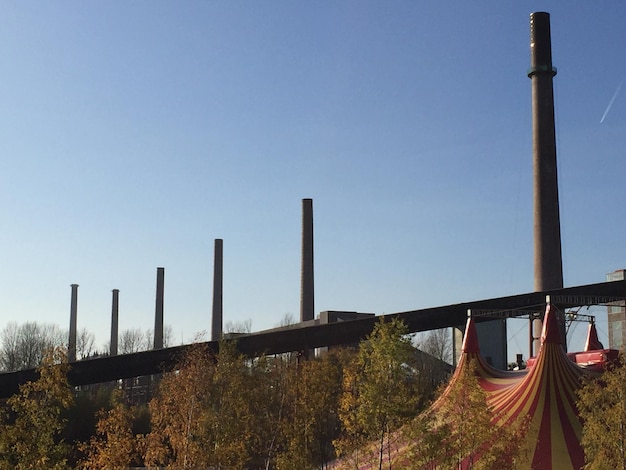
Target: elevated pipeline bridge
x=111 y=368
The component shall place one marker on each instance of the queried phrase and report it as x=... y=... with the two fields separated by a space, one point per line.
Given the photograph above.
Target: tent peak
x=592 y=343
x=551 y=333
x=470 y=340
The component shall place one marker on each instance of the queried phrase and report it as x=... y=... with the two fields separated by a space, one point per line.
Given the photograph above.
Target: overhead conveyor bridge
x=106 y=369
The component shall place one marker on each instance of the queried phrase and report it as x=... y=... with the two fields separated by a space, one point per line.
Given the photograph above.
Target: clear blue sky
x=133 y=134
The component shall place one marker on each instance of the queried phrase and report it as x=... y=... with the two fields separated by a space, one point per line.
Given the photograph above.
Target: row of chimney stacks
x=115 y=305
x=307 y=303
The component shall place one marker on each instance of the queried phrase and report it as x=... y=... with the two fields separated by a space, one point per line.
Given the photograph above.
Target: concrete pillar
x=307 y=299
x=548 y=263
x=457 y=343
x=114 y=322
x=217 y=313
x=536 y=327
x=158 y=311
x=71 y=347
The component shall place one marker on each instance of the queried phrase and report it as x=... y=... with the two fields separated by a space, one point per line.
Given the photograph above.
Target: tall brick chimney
x=307 y=299
x=158 y=310
x=115 y=303
x=548 y=263
x=71 y=346
x=217 y=313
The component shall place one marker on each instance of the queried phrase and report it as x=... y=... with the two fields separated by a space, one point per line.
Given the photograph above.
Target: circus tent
x=544 y=393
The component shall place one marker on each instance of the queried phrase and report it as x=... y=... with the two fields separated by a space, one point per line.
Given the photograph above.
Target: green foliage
x=602 y=406
x=465 y=420
x=460 y=431
x=379 y=393
x=202 y=414
x=272 y=396
x=231 y=409
x=314 y=387
x=176 y=413
x=30 y=432
x=82 y=416
x=225 y=411
x=220 y=411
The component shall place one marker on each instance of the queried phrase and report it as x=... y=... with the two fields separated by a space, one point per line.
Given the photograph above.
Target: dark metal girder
x=105 y=369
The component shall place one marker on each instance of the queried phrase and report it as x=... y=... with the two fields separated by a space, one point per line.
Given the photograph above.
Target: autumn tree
x=231 y=409
x=177 y=413
x=82 y=416
x=459 y=432
x=114 y=444
x=602 y=406
x=202 y=414
x=353 y=440
x=272 y=381
x=379 y=392
x=30 y=433
x=463 y=421
x=311 y=424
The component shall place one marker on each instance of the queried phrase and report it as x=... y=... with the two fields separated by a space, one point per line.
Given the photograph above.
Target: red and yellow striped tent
x=544 y=393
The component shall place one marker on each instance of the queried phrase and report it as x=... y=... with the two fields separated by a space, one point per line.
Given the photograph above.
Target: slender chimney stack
x=114 y=322
x=158 y=311
x=217 y=316
x=71 y=347
x=307 y=302
x=547 y=228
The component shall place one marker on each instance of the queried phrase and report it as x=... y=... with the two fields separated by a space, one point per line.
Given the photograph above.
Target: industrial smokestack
x=71 y=347
x=307 y=301
x=158 y=311
x=217 y=316
x=114 y=322
x=547 y=227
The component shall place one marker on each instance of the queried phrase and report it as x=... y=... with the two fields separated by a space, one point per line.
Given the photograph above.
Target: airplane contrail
x=611 y=102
